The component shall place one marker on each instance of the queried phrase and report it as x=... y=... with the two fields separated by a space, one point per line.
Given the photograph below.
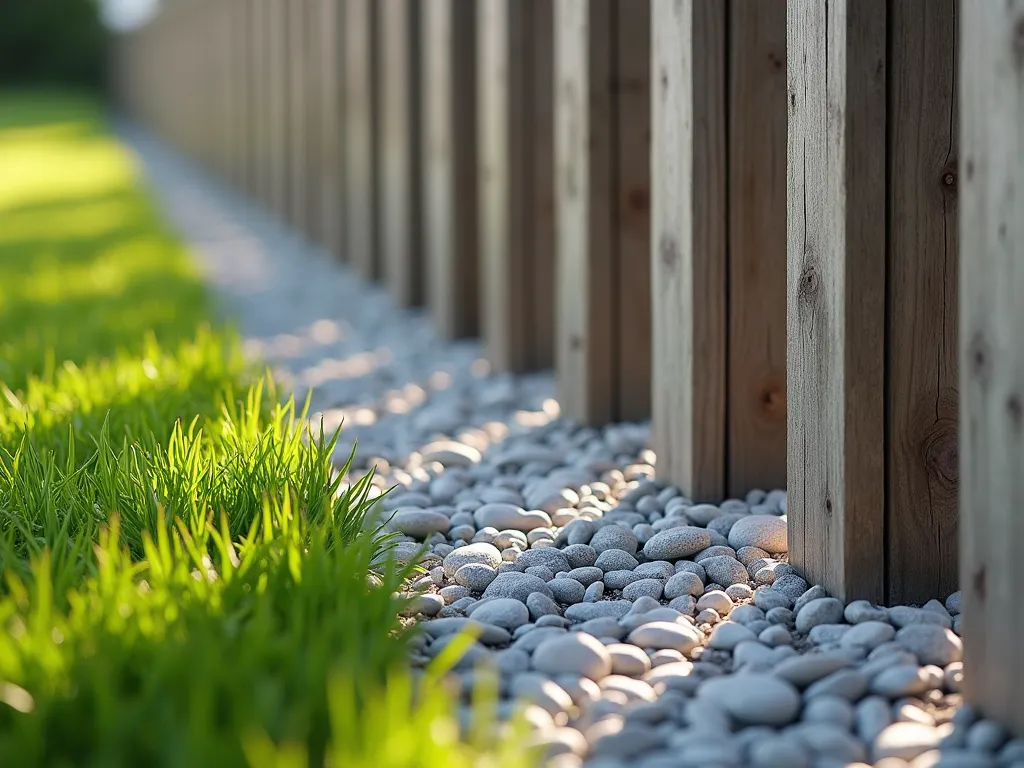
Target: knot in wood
x=941 y=454
x=668 y=249
x=809 y=283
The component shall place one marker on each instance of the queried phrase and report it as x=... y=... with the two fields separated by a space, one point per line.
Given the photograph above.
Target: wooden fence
x=750 y=222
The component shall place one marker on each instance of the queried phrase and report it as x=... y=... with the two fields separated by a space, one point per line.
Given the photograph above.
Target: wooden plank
x=922 y=375
x=632 y=155
x=516 y=182
x=991 y=355
x=328 y=196
x=689 y=246
x=836 y=294
x=360 y=116
x=261 y=94
x=277 y=85
x=297 y=134
x=585 y=234
x=449 y=165
x=756 y=385
x=312 y=78
x=399 y=193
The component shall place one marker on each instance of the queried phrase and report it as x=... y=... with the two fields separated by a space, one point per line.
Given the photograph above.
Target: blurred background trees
x=52 y=42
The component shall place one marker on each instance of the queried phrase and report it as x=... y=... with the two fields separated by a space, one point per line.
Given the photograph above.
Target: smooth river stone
x=587 y=611
x=931 y=643
x=509 y=516
x=450 y=453
x=517 y=586
x=664 y=634
x=575 y=653
x=677 y=543
x=419 y=523
x=487 y=554
x=753 y=698
x=765 y=532
x=503 y=612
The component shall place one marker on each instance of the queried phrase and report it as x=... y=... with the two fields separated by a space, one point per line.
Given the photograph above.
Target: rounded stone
x=791 y=586
x=487 y=554
x=614 y=537
x=503 y=612
x=643 y=587
x=768 y=599
x=931 y=643
x=628 y=660
x=567 y=591
x=728 y=635
x=419 y=523
x=725 y=570
x=717 y=601
x=502 y=516
x=677 y=543
x=905 y=741
x=517 y=586
x=823 y=610
x=548 y=557
x=615 y=560
x=684 y=583
x=475 y=576
x=868 y=635
x=664 y=634
x=541 y=605
x=753 y=698
x=586 y=611
x=765 y=532
x=586 y=575
x=575 y=653
x=580 y=555
x=594 y=592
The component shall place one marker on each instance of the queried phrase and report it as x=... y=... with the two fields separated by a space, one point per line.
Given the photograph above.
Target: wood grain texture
x=516 y=181
x=756 y=454
x=632 y=217
x=585 y=233
x=449 y=165
x=297 y=133
x=688 y=244
x=836 y=294
x=329 y=196
x=922 y=375
x=279 y=104
x=313 y=77
x=991 y=354
x=399 y=193
x=360 y=119
x=261 y=101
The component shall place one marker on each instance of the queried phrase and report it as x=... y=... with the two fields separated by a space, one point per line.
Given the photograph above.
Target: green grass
x=185 y=582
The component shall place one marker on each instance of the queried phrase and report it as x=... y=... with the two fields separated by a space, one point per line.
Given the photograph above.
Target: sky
x=126 y=14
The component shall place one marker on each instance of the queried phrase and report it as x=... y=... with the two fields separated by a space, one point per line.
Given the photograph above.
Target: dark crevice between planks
x=887 y=528
x=727 y=234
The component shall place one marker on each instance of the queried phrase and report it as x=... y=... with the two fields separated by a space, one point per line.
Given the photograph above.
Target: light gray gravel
x=578 y=566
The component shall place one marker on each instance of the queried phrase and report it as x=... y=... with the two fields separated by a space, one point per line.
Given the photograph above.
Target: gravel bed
x=635 y=627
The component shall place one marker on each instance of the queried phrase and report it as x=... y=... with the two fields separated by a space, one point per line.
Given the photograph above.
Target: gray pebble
x=804 y=670
x=767 y=599
x=677 y=543
x=830 y=709
x=728 y=635
x=685 y=604
x=567 y=591
x=849 y=684
x=586 y=611
x=614 y=537
x=655 y=569
x=503 y=516
x=575 y=653
x=541 y=605
x=762 y=531
x=714 y=551
x=738 y=592
x=931 y=643
x=868 y=634
x=906 y=616
x=517 y=586
x=620 y=579
x=451 y=594
x=580 y=555
x=548 y=557
x=683 y=583
x=953 y=603
x=774 y=636
x=860 y=611
x=813 y=593
x=663 y=634
x=725 y=570
x=791 y=586
x=822 y=610
x=753 y=698
x=780 y=615
x=586 y=575
x=542 y=572
x=873 y=715
x=642 y=587
x=594 y=592
x=486 y=554
x=615 y=560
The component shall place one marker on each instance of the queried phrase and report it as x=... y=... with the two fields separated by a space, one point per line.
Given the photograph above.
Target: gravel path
x=642 y=629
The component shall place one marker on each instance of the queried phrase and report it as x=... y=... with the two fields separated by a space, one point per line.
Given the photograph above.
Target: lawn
x=185 y=581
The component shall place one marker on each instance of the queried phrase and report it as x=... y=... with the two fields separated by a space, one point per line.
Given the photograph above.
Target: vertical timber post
x=399 y=192
x=449 y=165
x=362 y=234
x=991 y=354
x=836 y=293
x=515 y=182
x=602 y=151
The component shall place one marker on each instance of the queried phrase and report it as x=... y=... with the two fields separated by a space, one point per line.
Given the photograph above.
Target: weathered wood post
x=872 y=297
x=360 y=109
x=718 y=247
x=399 y=194
x=449 y=154
x=992 y=354
x=516 y=183
x=277 y=94
x=327 y=196
x=297 y=138
x=602 y=161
